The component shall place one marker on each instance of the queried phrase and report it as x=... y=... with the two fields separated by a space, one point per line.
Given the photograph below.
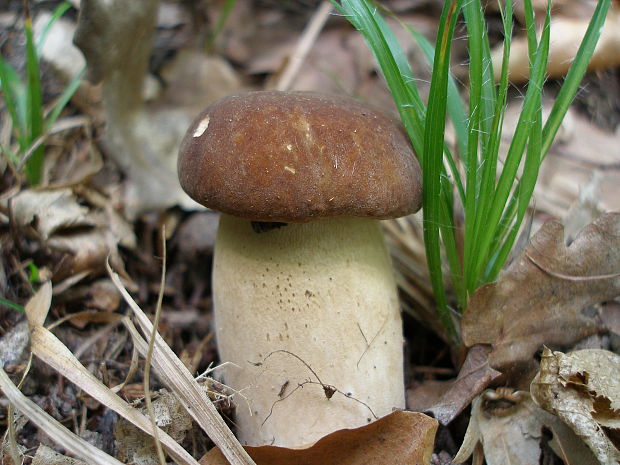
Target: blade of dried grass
x=179 y=380
x=10 y=429
x=133 y=369
x=52 y=428
x=307 y=40
x=149 y=353
x=53 y=352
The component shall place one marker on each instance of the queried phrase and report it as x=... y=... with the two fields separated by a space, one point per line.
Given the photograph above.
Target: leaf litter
x=583 y=389
x=530 y=305
x=590 y=151
x=507 y=427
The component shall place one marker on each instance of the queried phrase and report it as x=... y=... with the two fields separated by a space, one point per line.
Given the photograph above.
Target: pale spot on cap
x=201 y=127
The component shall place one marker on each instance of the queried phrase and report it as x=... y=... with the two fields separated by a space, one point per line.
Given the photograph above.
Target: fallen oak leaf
x=528 y=307
x=400 y=437
x=583 y=389
x=567 y=277
x=473 y=377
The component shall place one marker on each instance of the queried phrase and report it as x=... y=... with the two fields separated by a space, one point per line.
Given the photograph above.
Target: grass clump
x=23 y=100
x=494 y=206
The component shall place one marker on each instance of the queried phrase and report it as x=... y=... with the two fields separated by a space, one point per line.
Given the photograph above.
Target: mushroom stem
x=300 y=310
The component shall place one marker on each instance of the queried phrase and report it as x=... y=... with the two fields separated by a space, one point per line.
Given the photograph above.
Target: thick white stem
x=310 y=301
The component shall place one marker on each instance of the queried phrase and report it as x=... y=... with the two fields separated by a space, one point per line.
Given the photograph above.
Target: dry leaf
x=49 y=211
x=510 y=429
x=134 y=446
x=13 y=345
x=87 y=235
x=566 y=35
x=397 y=438
x=502 y=421
x=531 y=304
x=475 y=375
x=47 y=456
x=583 y=156
x=57 y=48
x=583 y=389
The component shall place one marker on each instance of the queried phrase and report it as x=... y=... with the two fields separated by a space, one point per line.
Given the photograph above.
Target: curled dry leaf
x=49 y=211
x=474 y=376
x=400 y=437
x=565 y=38
x=583 y=389
x=531 y=305
x=509 y=427
x=86 y=235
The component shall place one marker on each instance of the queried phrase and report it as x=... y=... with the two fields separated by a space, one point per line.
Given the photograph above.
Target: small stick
x=303 y=46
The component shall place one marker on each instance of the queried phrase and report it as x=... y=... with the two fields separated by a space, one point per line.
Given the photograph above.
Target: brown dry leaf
x=86 y=235
x=584 y=157
x=565 y=37
x=475 y=375
x=531 y=304
x=50 y=211
x=397 y=438
x=509 y=427
x=583 y=389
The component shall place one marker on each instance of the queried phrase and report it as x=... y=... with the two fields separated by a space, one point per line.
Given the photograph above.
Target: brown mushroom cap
x=298 y=156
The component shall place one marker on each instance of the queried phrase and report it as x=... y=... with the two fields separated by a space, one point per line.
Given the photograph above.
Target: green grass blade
x=530 y=29
x=56 y=14
x=393 y=63
x=472 y=12
x=433 y=159
x=491 y=154
x=514 y=214
x=221 y=22
x=456 y=109
x=12 y=156
x=448 y=237
x=64 y=98
x=34 y=107
x=12 y=305
x=575 y=75
x=531 y=106
x=14 y=94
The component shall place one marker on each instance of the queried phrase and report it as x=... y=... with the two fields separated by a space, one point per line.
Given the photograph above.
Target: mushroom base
x=301 y=311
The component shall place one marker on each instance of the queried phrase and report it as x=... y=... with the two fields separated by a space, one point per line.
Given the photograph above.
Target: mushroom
x=305 y=300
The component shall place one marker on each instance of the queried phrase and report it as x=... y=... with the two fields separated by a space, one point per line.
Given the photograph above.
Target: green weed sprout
x=24 y=102
x=494 y=207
